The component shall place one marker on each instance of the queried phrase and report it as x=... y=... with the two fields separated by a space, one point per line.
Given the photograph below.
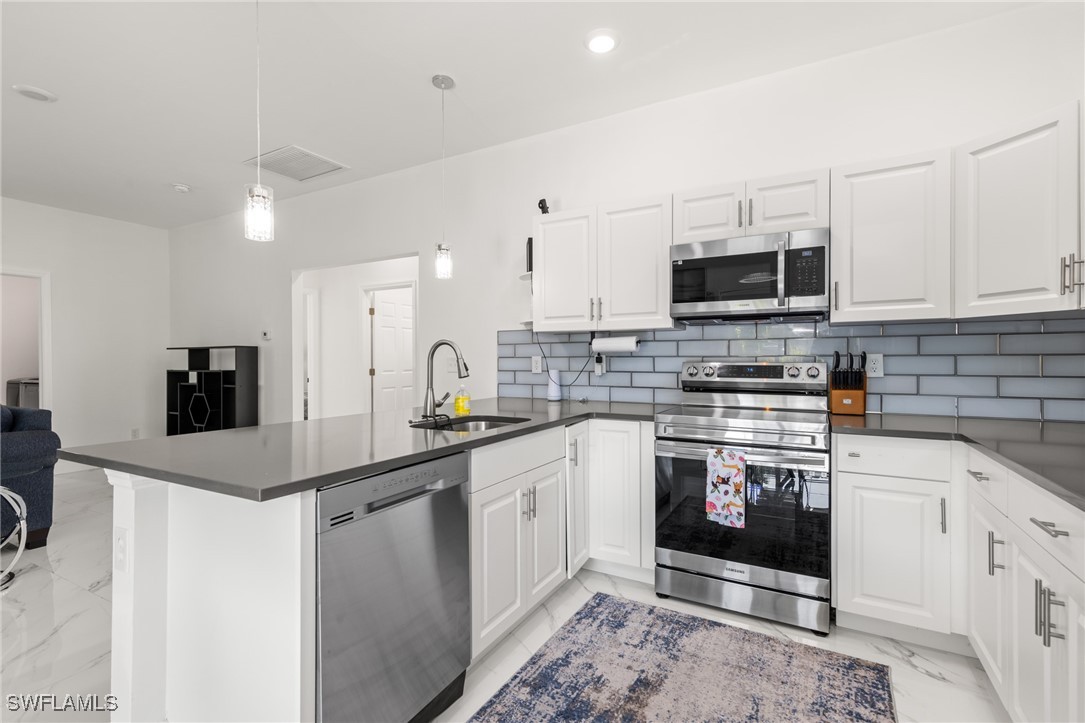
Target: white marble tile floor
x=56 y=627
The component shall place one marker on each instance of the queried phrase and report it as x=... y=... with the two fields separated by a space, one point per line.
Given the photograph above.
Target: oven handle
x=751 y=434
x=781 y=267
x=818 y=462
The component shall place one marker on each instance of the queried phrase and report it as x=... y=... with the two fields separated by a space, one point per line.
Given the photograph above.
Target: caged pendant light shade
x=259 y=199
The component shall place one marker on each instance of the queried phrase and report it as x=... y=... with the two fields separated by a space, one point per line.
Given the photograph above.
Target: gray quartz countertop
x=275 y=460
x=1048 y=454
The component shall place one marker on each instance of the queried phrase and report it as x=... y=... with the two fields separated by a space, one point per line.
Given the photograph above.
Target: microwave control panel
x=807 y=272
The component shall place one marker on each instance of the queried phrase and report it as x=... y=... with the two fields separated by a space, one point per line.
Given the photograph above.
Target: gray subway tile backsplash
x=1026 y=369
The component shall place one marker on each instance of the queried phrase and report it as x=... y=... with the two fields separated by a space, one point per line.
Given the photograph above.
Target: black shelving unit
x=202 y=399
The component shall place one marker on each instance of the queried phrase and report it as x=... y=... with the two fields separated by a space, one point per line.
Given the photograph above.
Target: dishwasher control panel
x=343 y=503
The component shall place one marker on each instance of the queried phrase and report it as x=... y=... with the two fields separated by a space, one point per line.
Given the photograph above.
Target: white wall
x=110 y=312
x=19 y=334
x=342 y=380
x=927 y=92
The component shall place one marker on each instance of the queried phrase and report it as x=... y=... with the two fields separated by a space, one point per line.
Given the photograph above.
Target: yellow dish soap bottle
x=462 y=403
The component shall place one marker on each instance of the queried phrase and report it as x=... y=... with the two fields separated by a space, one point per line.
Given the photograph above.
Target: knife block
x=848 y=401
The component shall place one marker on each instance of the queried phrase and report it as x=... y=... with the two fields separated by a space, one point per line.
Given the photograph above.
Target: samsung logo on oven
x=744 y=573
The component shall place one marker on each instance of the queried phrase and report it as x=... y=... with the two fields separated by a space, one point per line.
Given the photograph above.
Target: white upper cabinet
x=634 y=265
x=892 y=255
x=605 y=270
x=790 y=202
x=1016 y=221
x=563 y=284
x=710 y=213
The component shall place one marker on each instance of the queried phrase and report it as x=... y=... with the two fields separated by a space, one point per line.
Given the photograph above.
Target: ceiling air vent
x=296 y=163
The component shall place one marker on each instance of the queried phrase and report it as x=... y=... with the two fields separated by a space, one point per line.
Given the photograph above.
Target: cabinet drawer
x=1027 y=502
x=893 y=456
x=499 y=461
x=988 y=478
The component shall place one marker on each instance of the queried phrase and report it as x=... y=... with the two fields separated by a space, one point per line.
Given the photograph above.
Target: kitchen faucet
x=429 y=404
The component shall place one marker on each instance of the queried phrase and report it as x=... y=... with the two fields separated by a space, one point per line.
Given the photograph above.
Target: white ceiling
x=155 y=93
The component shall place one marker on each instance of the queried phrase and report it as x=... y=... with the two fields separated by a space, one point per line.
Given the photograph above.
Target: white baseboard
x=949 y=642
x=627 y=572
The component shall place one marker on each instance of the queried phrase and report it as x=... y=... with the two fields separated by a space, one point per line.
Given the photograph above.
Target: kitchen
x=609 y=294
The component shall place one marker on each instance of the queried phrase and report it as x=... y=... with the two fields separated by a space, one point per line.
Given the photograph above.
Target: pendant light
x=443 y=259
x=259 y=213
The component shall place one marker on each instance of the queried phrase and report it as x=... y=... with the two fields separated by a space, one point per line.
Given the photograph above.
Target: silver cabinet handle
x=781 y=261
x=854 y=454
x=979 y=476
x=1049 y=627
x=526 y=496
x=836 y=296
x=740 y=215
x=600 y=308
x=591 y=313
x=1038 y=599
x=749 y=212
x=1049 y=528
x=991 y=564
x=943 y=515
x=534 y=501
x=573 y=456
x=1066 y=274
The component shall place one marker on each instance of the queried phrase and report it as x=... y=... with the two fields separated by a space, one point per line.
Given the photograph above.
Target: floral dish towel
x=725 y=498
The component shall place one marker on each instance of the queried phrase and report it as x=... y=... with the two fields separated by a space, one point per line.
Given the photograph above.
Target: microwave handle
x=781 y=263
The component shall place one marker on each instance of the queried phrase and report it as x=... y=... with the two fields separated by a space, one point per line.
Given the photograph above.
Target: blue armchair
x=28 y=453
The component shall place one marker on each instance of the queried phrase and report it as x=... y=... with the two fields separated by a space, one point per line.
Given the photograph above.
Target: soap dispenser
x=461 y=405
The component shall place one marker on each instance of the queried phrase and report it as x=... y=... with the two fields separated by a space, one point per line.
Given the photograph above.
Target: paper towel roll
x=614 y=344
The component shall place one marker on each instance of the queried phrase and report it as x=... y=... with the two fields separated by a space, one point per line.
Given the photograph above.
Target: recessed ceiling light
x=182 y=187
x=29 y=91
x=602 y=41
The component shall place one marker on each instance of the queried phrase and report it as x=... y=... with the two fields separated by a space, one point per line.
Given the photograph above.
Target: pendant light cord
x=258 y=183
x=444 y=219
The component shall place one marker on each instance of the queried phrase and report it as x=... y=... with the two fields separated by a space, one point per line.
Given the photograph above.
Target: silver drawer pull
x=854 y=454
x=1049 y=528
x=979 y=476
x=1049 y=627
x=991 y=564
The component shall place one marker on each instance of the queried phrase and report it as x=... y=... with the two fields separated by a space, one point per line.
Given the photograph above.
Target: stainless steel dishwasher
x=393 y=593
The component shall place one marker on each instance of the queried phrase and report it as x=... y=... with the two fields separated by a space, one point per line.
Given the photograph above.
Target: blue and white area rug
x=622 y=660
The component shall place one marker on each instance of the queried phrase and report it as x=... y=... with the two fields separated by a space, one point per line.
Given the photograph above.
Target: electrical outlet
x=120 y=549
x=135 y=432
x=265 y=335
x=875 y=366
x=536 y=365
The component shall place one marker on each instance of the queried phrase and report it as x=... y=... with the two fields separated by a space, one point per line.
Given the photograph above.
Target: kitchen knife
x=836 y=370
x=848 y=372
x=859 y=382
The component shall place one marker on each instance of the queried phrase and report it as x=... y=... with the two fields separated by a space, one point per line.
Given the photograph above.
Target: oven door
x=733 y=276
x=785 y=542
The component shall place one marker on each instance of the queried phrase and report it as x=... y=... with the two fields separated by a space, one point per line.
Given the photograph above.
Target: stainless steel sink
x=472 y=423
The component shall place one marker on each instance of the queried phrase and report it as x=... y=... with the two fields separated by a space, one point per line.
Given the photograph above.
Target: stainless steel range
x=776 y=566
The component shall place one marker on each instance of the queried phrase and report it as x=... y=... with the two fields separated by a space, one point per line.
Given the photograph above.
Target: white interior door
x=392 y=348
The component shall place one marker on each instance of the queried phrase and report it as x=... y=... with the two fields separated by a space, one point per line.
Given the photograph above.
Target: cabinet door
x=988 y=587
x=634 y=265
x=792 y=202
x=894 y=550
x=708 y=214
x=563 y=285
x=497 y=572
x=1016 y=217
x=892 y=214
x=576 y=496
x=1044 y=678
x=546 y=532
x=614 y=491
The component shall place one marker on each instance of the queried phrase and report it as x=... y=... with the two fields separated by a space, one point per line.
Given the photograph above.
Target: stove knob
x=709 y=371
x=813 y=372
x=691 y=371
x=793 y=372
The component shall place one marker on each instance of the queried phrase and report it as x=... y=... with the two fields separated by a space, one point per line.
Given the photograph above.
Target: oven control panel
x=756 y=373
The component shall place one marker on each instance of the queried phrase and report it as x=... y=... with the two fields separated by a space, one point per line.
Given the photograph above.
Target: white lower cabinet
x=545 y=550
x=893 y=558
x=497 y=562
x=576 y=495
x=988 y=586
x=614 y=491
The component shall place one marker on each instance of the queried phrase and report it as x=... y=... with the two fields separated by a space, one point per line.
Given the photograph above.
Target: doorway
x=345 y=359
x=25 y=339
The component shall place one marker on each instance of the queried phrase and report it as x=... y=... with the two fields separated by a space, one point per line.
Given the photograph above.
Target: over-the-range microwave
x=751 y=277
